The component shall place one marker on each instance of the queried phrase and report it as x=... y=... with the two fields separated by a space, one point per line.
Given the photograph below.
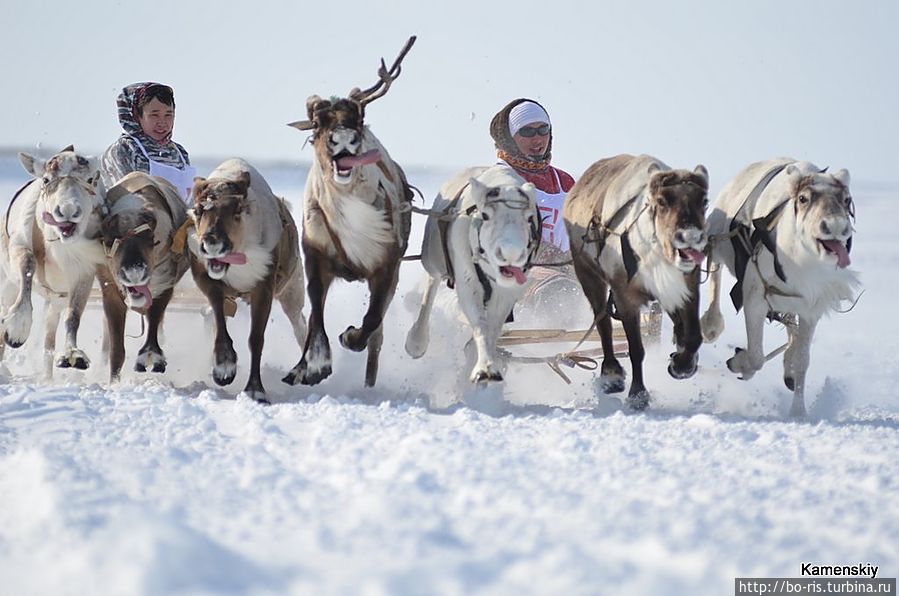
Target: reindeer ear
x=302 y=125
x=108 y=227
x=68 y=148
x=243 y=182
x=478 y=192
x=198 y=186
x=148 y=217
x=530 y=190
x=312 y=104
x=702 y=173
x=33 y=165
x=842 y=176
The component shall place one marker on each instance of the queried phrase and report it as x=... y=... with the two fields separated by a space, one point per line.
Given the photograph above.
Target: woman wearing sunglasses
x=522 y=132
x=147 y=116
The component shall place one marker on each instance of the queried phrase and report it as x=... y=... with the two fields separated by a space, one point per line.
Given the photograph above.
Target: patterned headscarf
x=507 y=150
x=127 y=105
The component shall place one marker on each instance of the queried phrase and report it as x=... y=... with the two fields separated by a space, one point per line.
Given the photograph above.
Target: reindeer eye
x=847 y=201
x=45 y=180
x=803 y=199
x=493 y=193
x=485 y=217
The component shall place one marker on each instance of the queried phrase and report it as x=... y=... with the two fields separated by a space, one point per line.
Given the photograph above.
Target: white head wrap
x=527 y=112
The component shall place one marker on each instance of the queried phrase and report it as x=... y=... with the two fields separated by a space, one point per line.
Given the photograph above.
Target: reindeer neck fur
x=245 y=277
x=355 y=212
x=656 y=274
x=66 y=264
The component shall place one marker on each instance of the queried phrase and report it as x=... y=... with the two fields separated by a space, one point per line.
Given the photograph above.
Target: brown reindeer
x=638 y=227
x=244 y=245
x=356 y=222
x=143 y=265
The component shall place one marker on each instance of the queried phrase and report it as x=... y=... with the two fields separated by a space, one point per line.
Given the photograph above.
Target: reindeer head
x=678 y=200
x=338 y=125
x=68 y=196
x=129 y=239
x=505 y=230
x=219 y=207
x=824 y=213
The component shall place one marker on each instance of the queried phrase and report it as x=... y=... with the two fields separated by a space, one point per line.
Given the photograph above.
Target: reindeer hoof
x=484 y=376
x=353 y=339
x=73 y=359
x=638 y=401
x=790 y=383
x=303 y=375
x=257 y=394
x=152 y=361
x=682 y=366
x=223 y=374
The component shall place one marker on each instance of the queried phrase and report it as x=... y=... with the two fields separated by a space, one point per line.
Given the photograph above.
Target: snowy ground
x=168 y=484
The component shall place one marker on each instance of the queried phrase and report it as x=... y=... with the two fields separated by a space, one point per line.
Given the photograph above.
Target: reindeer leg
x=17 y=322
x=801 y=346
x=418 y=337
x=73 y=356
x=260 y=309
x=596 y=290
x=291 y=301
x=115 y=311
x=471 y=301
x=225 y=368
x=749 y=361
x=683 y=362
x=637 y=396
x=151 y=357
x=381 y=288
x=373 y=356
x=315 y=364
x=712 y=323
x=51 y=326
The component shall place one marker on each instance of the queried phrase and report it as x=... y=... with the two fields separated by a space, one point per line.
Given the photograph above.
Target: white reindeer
x=50 y=235
x=784 y=229
x=489 y=243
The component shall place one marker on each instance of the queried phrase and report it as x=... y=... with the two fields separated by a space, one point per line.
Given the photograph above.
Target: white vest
x=181 y=178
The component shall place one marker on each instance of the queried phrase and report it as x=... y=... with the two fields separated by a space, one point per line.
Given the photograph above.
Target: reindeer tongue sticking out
x=836 y=247
x=694 y=255
x=363 y=159
x=142 y=291
x=516 y=272
x=232 y=258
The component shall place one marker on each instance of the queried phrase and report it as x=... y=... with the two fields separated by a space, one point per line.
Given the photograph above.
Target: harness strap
x=745 y=244
x=13 y=200
x=444 y=218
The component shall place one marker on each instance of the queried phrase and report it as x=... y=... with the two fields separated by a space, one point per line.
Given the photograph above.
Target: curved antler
x=386 y=77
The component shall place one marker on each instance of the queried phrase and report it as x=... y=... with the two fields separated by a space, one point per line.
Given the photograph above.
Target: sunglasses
x=530 y=131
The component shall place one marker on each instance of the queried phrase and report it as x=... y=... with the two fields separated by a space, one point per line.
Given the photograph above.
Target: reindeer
x=784 y=229
x=244 y=245
x=484 y=252
x=144 y=265
x=51 y=235
x=356 y=222
x=638 y=227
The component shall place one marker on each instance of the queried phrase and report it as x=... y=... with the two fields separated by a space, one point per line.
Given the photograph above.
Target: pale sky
x=712 y=82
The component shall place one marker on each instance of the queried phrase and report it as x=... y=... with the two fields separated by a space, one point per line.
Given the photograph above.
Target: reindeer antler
x=386 y=77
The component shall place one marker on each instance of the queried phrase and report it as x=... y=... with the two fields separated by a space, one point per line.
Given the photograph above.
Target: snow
x=165 y=484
